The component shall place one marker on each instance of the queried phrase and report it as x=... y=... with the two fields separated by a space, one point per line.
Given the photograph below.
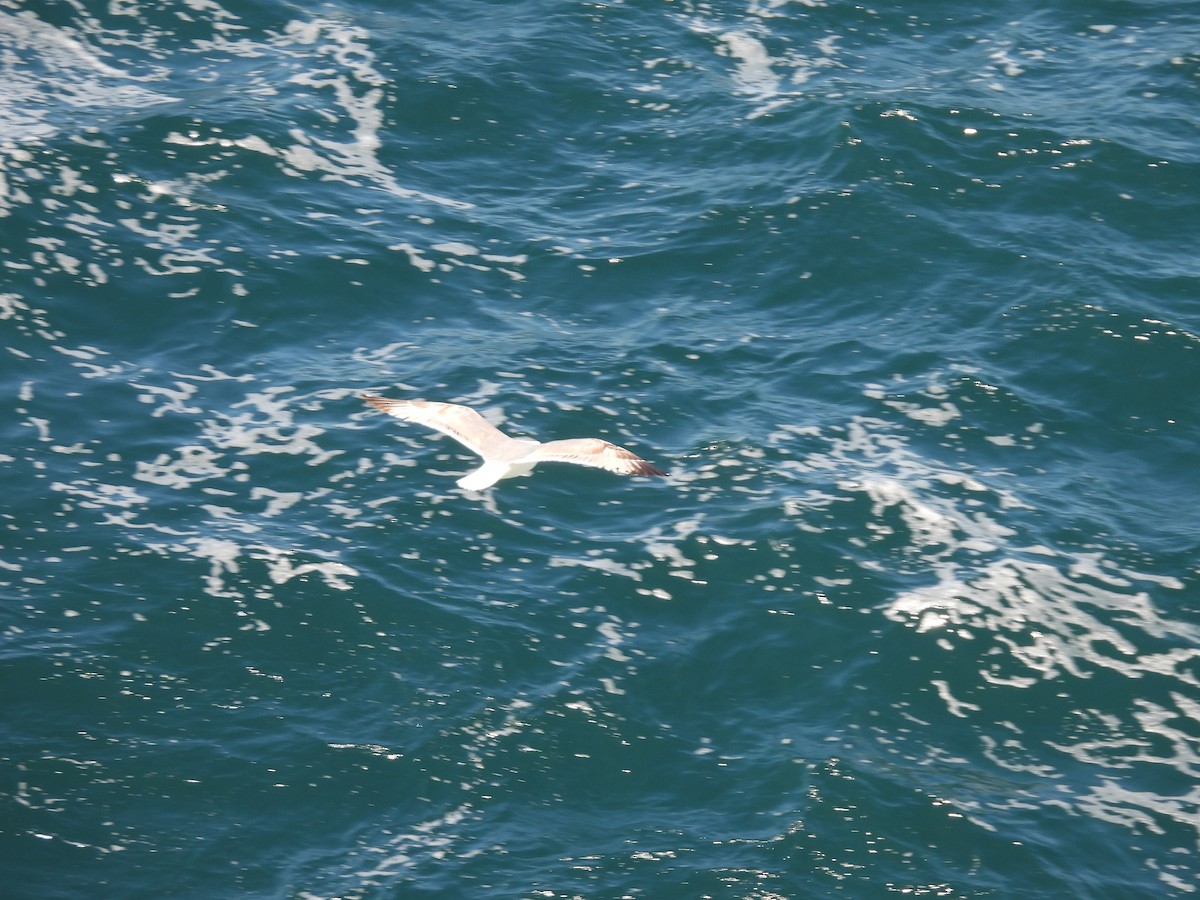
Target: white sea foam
x=73 y=72
x=768 y=77
x=1044 y=613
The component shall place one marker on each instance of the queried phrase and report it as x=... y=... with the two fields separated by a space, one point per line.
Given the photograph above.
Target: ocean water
x=904 y=297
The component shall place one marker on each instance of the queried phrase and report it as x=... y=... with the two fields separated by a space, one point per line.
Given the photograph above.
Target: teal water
x=904 y=299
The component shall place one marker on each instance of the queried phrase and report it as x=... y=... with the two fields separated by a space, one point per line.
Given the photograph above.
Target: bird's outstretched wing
x=462 y=423
x=593 y=452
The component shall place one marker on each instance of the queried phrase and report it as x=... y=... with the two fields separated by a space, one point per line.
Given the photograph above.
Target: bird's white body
x=504 y=456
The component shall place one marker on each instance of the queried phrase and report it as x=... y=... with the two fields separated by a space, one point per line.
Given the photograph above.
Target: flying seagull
x=503 y=456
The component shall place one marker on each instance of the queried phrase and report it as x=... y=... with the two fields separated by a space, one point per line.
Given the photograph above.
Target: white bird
x=504 y=456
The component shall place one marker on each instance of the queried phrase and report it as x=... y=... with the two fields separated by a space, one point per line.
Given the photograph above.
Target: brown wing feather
x=597 y=453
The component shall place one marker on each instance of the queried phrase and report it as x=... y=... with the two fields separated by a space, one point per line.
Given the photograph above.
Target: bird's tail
x=483 y=477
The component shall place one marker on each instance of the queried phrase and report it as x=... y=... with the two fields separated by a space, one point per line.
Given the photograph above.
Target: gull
x=504 y=456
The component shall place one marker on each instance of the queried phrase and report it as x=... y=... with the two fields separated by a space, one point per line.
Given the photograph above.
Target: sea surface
x=904 y=297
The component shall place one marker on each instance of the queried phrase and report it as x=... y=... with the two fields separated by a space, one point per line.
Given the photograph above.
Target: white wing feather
x=462 y=423
x=593 y=452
